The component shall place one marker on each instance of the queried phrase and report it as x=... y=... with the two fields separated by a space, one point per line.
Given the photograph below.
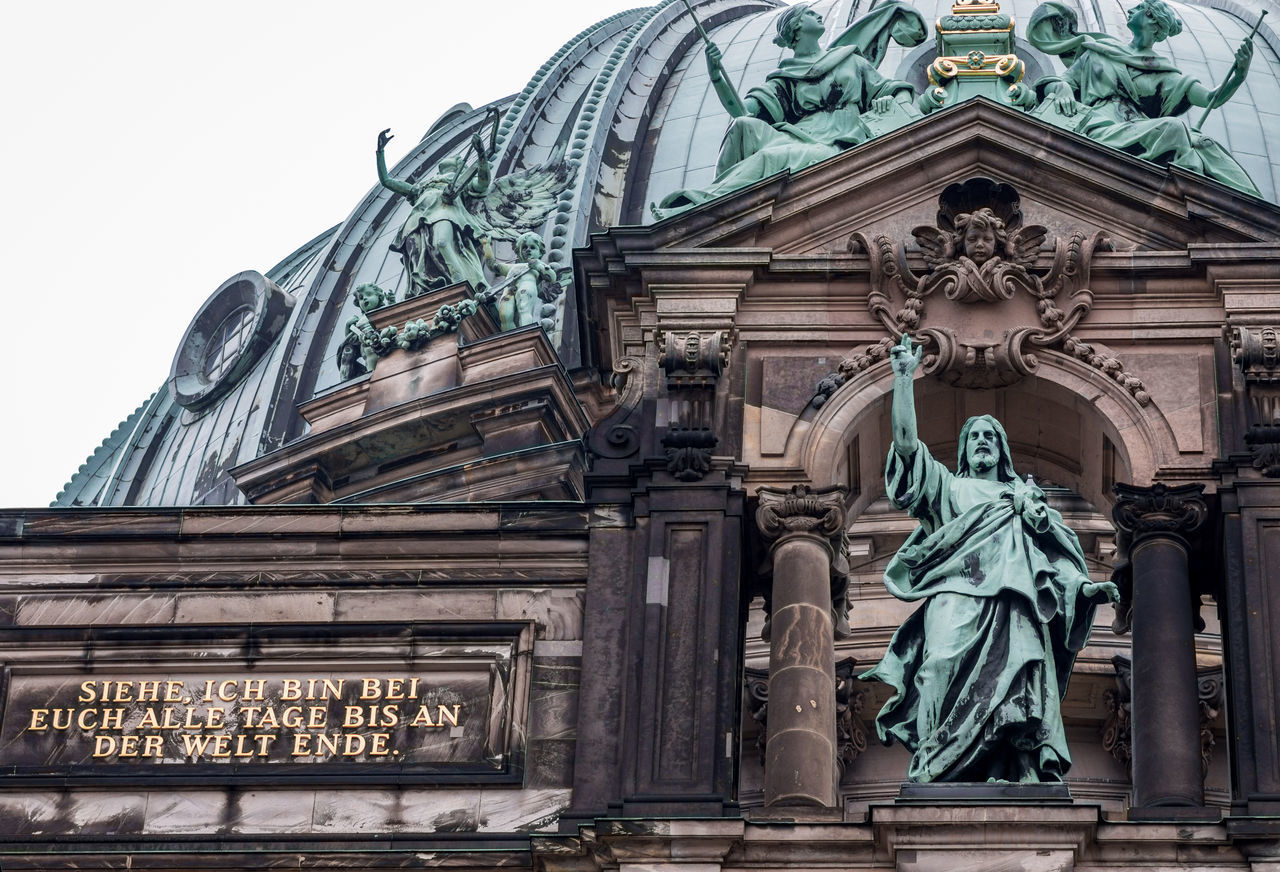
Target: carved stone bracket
x=618 y=435
x=1256 y=352
x=981 y=308
x=852 y=736
x=804 y=510
x=691 y=364
x=1117 y=729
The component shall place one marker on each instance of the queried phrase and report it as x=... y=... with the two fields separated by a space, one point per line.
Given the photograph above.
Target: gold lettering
x=422 y=718
x=112 y=719
x=152 y=746
x=208 y=690
x=442 y=713
x=86 y=692
x=249 y=712
x=241 y=751
x=254 y=689
x=263 y=741
x=269 y=719
x=353 y=745
x=352 y=716
x=378 y=744
x=37 y=724
x=149 y=721
x=301 y=745
x=413 y=688
x=395 y=689
x=370 y=688
x=173 y=691
x=128 y=746
x=327 y=744
x=292 y=717
x=62 y=719
x=148 y=691
x=228 y=695
x=221 y=746
x=124 y=693
x=170 y=720
x=104 y=746
x=333 y=689
x=317 y=717
x=291 y=690
x=195 y=746
x=87 y=719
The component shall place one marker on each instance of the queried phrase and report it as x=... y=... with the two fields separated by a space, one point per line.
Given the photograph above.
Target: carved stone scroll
x=982 y=305
x=1256 y=352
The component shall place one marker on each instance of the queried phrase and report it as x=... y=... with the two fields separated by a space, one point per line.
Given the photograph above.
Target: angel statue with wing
x=980 y=258
x=460 y=210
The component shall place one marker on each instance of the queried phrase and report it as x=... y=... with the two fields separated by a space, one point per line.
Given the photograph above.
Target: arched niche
x=1068 y=425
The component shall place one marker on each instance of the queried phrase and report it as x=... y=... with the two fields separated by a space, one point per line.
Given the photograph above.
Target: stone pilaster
x=1159 y=521
x=806 y=528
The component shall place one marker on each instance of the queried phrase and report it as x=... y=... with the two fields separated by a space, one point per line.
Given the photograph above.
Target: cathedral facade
x=535 y=517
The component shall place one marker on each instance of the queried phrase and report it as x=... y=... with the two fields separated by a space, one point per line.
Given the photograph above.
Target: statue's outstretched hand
x=383 y=138
x=1108 y=589
x=903 y=358
x=881 y=105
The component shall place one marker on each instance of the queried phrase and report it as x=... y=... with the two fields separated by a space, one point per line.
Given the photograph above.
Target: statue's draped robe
x=809 y=111
x=435 y=266
x=979 y=669
x=1131 y=98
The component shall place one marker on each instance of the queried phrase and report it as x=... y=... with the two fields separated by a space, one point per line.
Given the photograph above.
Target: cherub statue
x=460 y=209
x=529 y=284
x=980 y=258
x=363 y=343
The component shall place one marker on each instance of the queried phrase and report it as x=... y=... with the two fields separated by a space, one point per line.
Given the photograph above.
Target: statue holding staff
x=1127 y=96
x=979 y=670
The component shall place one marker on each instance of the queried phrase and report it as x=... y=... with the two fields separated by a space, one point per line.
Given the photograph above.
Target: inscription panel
x=440 y=706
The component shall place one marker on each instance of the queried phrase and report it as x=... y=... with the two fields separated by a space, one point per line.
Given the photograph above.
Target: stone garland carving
x=691 y=363
x=981 y=255
x=852 y=736
x=1256 y=353
x=364 y=344
x=1117 y=729
x=804 y=510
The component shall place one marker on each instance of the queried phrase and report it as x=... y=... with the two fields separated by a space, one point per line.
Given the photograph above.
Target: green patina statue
x=442 y=241
x=979 y=670
x=531 y=286
x=460 y=210
x=1127 y=96
x=816 y=104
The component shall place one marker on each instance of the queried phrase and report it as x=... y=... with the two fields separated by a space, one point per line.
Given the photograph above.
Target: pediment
x=892 y=184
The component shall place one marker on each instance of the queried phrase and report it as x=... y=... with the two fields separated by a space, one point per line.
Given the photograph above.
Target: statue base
x=983 y=793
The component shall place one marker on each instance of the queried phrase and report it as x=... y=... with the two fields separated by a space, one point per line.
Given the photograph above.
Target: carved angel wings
x=522 y=200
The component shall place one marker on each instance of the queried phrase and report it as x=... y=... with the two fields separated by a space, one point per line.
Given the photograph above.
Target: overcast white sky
x=151 y=150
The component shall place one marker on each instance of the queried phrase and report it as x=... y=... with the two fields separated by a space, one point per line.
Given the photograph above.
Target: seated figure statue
x=1127 y=96
x=979 y=670
x=813 y=105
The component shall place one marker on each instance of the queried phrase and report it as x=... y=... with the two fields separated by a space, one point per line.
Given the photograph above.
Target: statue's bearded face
x=982 y=447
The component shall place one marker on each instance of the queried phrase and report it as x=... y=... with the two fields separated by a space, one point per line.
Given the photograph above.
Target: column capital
x=801 y=509
x=1159 y=509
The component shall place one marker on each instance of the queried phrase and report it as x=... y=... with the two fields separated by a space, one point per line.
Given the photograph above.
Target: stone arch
x=1068 y=424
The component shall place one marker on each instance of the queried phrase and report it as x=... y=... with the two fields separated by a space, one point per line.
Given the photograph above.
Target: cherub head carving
x=980 y=235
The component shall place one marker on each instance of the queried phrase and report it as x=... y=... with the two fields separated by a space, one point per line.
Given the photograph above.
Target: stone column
x=1166 y=715
x=806 y=528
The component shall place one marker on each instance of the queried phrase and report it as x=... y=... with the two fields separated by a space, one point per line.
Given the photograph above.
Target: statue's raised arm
x=404 y=189
x=904 y=361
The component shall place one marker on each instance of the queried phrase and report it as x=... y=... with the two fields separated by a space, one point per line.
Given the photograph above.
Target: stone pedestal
x=1166 y=723
x=800 y=758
